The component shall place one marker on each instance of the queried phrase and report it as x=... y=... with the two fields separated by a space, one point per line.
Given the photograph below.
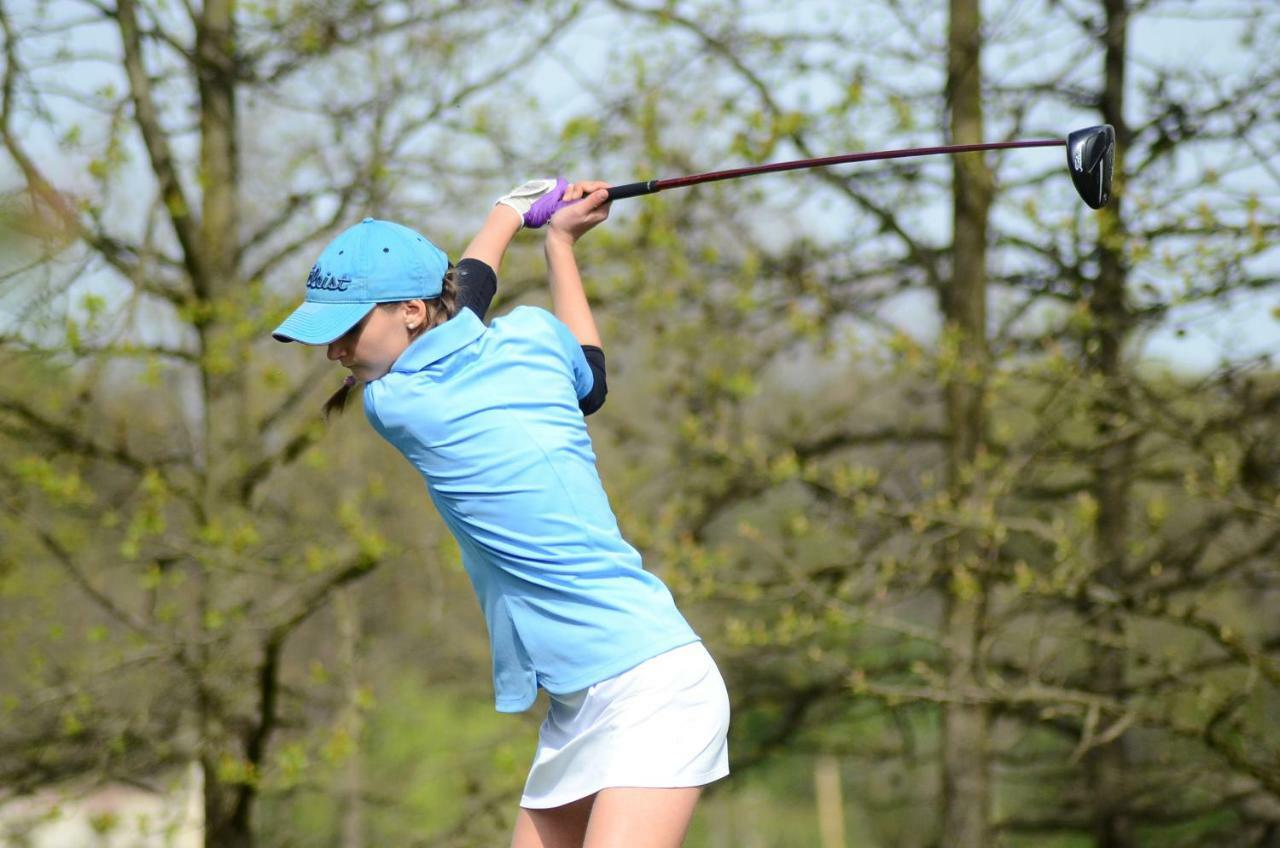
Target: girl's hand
x=536 y=200
x=576 y=218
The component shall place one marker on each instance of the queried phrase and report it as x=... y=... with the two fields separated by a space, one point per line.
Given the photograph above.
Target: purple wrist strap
x=547 y=205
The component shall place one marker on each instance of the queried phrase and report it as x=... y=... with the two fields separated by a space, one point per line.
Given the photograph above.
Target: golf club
x=1090 y=159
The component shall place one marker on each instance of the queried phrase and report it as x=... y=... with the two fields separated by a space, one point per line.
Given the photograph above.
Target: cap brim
x=320 y=323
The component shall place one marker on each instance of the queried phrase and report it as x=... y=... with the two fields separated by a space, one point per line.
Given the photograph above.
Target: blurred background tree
x=908 y=441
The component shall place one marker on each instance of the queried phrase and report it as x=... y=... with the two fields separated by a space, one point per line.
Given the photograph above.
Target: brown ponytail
x=439 y=310
x=443 y=307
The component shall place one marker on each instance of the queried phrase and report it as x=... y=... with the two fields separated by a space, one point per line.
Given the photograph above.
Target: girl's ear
x=414 y=313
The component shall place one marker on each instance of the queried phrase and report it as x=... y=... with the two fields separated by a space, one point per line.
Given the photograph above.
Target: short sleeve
x=582 y=376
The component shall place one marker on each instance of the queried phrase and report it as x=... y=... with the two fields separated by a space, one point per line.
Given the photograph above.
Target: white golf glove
x=526 y=197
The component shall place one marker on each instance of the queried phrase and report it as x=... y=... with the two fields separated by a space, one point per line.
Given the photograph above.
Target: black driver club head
x=1091 y=154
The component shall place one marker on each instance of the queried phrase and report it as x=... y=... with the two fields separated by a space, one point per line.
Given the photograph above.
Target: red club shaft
x=651 y=186
x=712 y=176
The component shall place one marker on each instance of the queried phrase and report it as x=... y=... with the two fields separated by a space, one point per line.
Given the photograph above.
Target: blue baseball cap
x=373 y=262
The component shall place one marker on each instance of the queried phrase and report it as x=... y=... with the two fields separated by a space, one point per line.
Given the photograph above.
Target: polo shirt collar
x=438 y=342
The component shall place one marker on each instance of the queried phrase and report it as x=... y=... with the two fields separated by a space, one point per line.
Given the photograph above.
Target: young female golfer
x=493 y=419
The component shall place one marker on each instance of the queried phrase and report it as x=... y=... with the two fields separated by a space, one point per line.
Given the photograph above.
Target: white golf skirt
x=662 y=724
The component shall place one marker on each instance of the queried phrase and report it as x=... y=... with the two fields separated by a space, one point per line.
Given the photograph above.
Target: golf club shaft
x=651 y=186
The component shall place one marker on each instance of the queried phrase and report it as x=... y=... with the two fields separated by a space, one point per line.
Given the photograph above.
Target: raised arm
x=568 y=300
x=478 y=268
x=477 y=271
x=489 y=245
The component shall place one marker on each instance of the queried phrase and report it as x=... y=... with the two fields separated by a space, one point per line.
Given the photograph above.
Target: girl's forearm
x=490 y=244
x=568 y=300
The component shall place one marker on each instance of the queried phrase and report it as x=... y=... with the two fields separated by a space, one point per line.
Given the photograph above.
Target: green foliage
x=174 y=514
x=445 y=751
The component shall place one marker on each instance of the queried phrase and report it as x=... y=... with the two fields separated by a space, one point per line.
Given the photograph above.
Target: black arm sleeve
x=595 y=398
x=477 y=284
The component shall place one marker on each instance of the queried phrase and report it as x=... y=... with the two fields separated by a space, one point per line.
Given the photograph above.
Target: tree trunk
x=830 y=801
x=966 y=790
x=223 y=365
x=1107 y=765
x=225 y=350
x=351 y=799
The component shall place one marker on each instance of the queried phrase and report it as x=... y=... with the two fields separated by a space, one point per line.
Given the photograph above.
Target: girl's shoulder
x=525 y=320
x=536 y=326
x=525 y=315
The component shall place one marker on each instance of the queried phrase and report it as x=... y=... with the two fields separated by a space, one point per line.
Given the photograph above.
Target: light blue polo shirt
x=490 y=417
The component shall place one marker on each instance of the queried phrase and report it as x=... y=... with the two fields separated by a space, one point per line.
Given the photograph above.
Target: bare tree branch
x=162 y=163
